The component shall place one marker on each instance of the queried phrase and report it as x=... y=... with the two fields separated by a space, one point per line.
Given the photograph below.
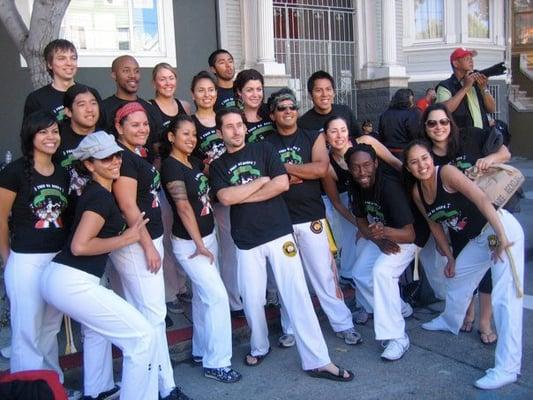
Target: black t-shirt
x=386 y=202
x=304 y=200
x=454 y=210
x=471 y=141
x=46 y=98
x=314 y=121
x=259 y=131
x=78 y=179
x=209 y=146
x=252 y=224
x=398 y=127
x=148 y=186
x=37 y=212
x=113 y=103
x=97 y=199
x=165 y=118
x=225 y=98
x=198 y=194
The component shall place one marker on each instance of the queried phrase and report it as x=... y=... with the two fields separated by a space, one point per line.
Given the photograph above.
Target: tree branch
x=13 y=22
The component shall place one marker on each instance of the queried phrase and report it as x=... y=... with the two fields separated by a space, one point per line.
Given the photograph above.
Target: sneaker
x=272 y=298
x=343 y=281
x=185 y=297
x=6 y=352
x=350 y=336
x=197 y=359
x=175 y=307
x=73 y=394
x=226 y=375
x=407 y=310
x=396 y=348
x=176 y=394
x=495 y=379
x=237 y=314
x=108 y=395
x=361 y=317
x=436 y=324
x=286 y=341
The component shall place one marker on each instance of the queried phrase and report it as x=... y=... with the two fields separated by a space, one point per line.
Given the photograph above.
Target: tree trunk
x=45 y=23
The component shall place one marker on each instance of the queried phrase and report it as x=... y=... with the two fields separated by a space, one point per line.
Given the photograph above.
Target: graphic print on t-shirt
x=155 y=186
x=446 y=215
x=374 y=214
x=291 y=155
x=47 y=205
x=77 y=181
x=211 y=145
x=203 y=193
x=244 y=172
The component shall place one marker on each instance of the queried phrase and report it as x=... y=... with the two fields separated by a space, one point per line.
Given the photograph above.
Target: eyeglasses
x=283 y=108
x=432 y=123
x=110 y=158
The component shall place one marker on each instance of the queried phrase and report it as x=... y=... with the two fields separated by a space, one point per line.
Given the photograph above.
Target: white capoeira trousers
x=105 y=318
x=433 y=263
x=470 y=267
x=289 y=275
x=376 y=276
x=146 y=292
x=227 y=259
x=210 y=308
x=312 y=241
x=34 y=323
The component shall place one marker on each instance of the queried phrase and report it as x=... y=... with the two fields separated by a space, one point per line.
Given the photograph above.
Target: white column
x=266 y=62
x=389 y=65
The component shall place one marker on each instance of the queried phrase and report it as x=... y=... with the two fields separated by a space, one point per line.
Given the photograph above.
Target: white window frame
x=95 y=59
x=409 y=25
x=464 y=24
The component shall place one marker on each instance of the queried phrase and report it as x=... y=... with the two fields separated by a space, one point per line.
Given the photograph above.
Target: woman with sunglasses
x=33 y=198
x=195 y=246
x=337 y=182
x=448 y=198
x=464 y=149
x=139 y=264
x=71 y=282
x=248 y=87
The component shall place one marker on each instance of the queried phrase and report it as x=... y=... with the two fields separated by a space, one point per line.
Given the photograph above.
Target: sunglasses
x=110 y=158
x=432 y=123
x=283 y=108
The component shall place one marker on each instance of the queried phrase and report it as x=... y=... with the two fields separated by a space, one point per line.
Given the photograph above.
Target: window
x=478 y=19
x=104 y=29
x=429 y=19
x=523 y=24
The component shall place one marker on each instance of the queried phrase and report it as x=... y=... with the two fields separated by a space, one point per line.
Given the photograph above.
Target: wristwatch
x=486 y=91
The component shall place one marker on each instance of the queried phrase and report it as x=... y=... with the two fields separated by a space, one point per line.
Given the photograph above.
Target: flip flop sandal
x=259 y=359
x=315 y=373
x=487 y=338
x=467 y=326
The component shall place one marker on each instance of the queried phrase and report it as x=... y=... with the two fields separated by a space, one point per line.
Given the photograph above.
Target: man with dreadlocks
x=384 y=249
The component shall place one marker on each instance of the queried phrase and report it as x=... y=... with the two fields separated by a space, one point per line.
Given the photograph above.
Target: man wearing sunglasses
x=304 y=154
x=465 y=93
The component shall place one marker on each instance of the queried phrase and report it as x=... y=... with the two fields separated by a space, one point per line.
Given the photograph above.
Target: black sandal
x=323 y=374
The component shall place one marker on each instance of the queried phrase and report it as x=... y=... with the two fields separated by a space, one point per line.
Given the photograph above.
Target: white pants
x=433 y=263
x=345 y=238
x=106 y=317
x=322 y=272
x=210 y=308
x=376 y=276
x=146 y=292
x=34 y=323
x=288 y=272
x=470 y=267
x=227 y=259
x=174 y=276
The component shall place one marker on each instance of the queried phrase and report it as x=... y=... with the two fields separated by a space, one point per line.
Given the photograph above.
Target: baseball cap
x=461 y=52
x=97 y=145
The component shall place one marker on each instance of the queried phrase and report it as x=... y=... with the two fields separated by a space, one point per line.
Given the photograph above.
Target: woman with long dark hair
x=33 y=197
x=463 y=149
x=494 y=240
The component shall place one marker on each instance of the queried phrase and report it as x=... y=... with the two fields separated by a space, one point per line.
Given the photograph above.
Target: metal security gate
x=312 y=35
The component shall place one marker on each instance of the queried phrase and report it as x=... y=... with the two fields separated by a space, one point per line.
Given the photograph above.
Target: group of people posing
x=258 y=182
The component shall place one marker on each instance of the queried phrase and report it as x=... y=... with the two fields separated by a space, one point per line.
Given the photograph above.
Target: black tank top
x=165 y=118
x=459 y=214
x=344 y=177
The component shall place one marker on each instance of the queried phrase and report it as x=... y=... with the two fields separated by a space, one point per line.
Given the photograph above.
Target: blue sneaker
x=226 y=374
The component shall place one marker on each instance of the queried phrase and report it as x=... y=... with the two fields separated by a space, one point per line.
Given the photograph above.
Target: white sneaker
x=350 y=336
x=396 y=348
x=407 y=310
x=436 y=324
x=286 y=341
x=6 y=352
x=495 y=379
x=73 y=394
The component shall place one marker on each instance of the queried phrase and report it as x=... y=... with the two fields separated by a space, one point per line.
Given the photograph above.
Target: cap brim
x=107 y=152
